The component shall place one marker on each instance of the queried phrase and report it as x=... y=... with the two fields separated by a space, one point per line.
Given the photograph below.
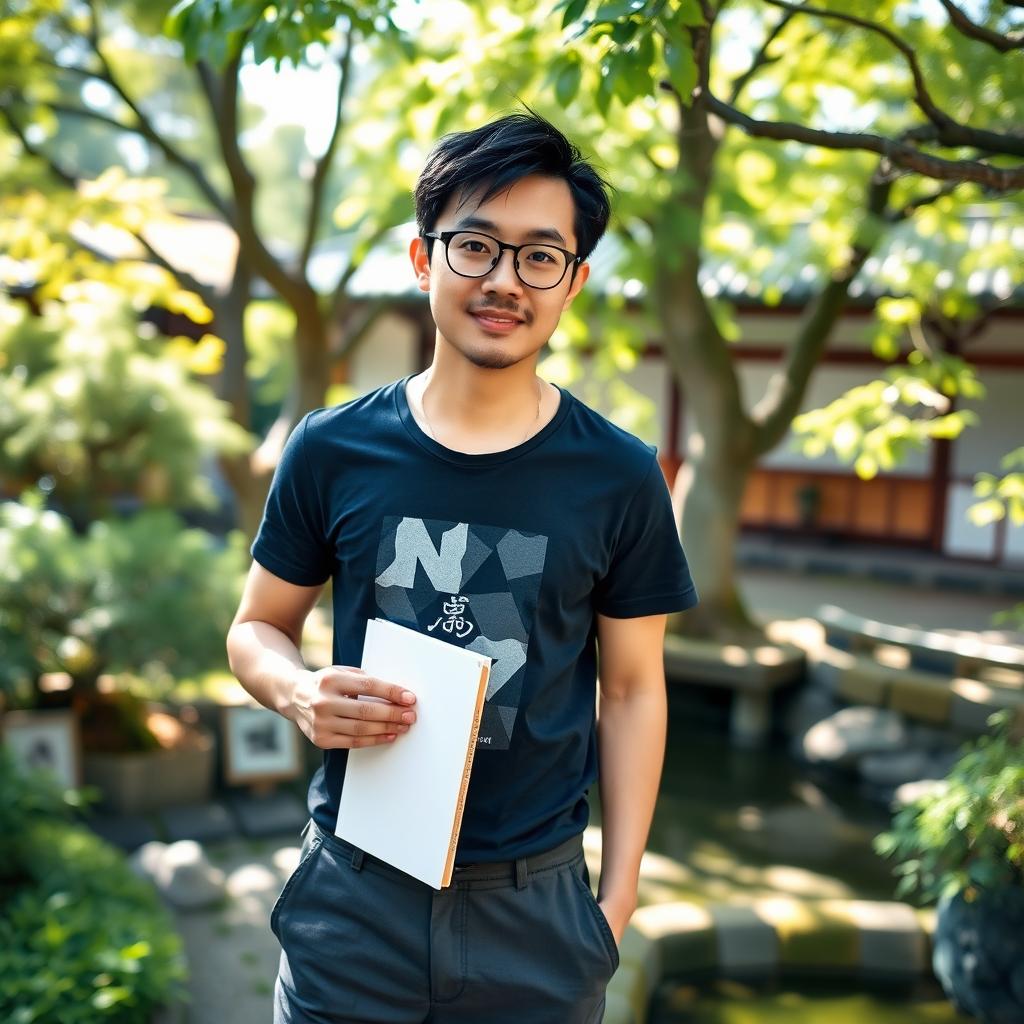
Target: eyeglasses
x=474 y=254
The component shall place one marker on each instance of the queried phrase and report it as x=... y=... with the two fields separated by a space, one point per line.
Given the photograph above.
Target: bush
x=969 y=834
x=82 y=939
x=143 y=595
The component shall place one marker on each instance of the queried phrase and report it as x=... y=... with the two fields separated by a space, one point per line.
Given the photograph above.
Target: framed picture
x=259 y=746
x=44 y=741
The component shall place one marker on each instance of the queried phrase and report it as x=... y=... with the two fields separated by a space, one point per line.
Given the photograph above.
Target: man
x=478 y=504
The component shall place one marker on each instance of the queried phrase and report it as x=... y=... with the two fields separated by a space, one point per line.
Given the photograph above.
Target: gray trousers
x=503 y=944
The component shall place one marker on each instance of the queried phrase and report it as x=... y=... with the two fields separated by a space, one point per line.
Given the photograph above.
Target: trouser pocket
x=311 y=844
x=582 y=878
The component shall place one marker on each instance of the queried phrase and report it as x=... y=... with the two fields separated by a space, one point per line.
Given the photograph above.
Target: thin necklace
x=430 y=426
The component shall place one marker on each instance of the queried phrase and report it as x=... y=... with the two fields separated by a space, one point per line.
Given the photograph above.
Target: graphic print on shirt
x=472 y=586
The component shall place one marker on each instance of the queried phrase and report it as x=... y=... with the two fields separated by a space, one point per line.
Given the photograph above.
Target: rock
x=893 y=769
x=181 y=872
x=910 y=792
x=809 y=706
x=846 y=736
x=940 y=762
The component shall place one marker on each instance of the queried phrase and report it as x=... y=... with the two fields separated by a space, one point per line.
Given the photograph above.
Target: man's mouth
x=495 y=321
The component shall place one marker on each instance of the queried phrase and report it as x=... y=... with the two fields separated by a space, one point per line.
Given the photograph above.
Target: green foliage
x=871 y=425
x=82 y=939
x=1002 y=495
x=970 y=834
x=213 y=30
x=97 y=407
x=141 y=595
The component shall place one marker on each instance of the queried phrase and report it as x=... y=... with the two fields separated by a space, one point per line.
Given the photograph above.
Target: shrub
x=141 y=595
x=969 y=834
x=82 y=939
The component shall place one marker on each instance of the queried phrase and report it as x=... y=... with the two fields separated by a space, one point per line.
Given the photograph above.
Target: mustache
x=504 y=307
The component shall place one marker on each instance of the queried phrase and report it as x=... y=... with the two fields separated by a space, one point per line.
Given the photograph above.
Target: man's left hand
x=617 y=913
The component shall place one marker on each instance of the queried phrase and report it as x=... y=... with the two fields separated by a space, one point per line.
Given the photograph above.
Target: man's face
x=534 y=209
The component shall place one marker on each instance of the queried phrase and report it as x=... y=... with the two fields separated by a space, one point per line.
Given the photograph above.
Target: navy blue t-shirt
x=510 y=554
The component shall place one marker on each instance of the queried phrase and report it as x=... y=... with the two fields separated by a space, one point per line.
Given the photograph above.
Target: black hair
x=496 y=156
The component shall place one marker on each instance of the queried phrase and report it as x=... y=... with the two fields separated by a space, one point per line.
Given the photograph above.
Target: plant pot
x=978 y=954
x=138 y=782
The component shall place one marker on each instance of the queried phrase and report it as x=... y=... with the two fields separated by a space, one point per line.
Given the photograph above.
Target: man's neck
x=475 y=410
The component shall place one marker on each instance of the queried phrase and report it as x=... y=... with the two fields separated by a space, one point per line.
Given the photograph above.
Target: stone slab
x=128 y=832
x=864 y=683
x=205 y=823
x=811 y=933
x=920 y=697
x=746 y=942
x=273 y=815
x=684 y=935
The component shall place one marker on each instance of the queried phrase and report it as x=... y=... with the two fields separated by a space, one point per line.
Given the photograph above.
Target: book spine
x=460 y=805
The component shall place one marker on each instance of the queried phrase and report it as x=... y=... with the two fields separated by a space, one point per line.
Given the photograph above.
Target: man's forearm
x=267 y=664
x=631 y=748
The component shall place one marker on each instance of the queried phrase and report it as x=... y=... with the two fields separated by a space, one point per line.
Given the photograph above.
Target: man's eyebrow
x=470 y=222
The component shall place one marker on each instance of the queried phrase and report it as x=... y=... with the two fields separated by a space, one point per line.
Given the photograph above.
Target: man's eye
x=481 y=247
x=541 y=257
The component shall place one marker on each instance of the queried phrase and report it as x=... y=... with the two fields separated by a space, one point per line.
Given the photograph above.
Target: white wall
x=387 y=353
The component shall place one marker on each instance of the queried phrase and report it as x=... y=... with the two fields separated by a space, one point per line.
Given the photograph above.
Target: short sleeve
x=291 y=541
x=648 y=573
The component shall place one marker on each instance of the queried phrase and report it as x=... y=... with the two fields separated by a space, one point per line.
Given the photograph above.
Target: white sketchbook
x=403 y=801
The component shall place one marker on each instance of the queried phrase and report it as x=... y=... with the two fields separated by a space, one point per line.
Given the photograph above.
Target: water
x=734 y=825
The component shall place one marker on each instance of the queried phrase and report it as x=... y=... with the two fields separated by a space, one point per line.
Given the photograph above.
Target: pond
x=733 y=825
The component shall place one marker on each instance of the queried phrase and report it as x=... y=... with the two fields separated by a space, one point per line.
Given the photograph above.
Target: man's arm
x=632 y=715
x=263 y=652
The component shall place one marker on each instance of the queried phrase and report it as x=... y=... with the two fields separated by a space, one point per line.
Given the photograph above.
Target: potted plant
x=104 y=624
x=962 y=845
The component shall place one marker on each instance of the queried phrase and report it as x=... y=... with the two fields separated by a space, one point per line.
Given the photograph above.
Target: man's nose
x=502 y=276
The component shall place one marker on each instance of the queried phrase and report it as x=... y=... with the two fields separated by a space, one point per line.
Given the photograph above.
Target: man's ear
x=582 y=273
x=420 y=263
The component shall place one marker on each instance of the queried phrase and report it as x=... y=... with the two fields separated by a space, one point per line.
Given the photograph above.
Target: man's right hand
x=325 y=706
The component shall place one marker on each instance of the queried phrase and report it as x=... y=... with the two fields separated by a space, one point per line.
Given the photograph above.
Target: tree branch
x=895 y=216
x=323 y=165
x=222 y=95
x=781 y=402
x=761 y=58
x=144 y=126
x=56 y=169
x=966 y=27
x=71 y=181
x=1001 y=179
x=951 y=131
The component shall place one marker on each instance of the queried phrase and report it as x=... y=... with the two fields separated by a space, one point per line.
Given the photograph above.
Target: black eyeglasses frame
x=446 y=236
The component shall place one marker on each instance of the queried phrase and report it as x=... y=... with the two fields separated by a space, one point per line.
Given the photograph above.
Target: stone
x=849 y=734
x=128 y=832
x=181 y=872
x=747 y=944
x=893 y=769
x=203 y=822
x=273 y=815
x=808 y=707
x=911 y=792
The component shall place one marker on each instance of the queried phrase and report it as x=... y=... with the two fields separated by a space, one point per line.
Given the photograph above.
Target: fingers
x=341 y=720
x=354 y=681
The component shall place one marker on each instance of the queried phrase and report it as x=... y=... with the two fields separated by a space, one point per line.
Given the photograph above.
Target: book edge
x=460 y=804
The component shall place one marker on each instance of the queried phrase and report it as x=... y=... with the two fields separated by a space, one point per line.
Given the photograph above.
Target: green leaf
x=573 y=10
x=682 y=70
x=567 y=85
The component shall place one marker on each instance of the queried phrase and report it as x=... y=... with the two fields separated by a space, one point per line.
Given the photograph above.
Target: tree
x=57 y=58
x=624 y=52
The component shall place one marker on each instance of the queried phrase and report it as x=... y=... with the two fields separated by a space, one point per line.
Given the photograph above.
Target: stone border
x=862 y=940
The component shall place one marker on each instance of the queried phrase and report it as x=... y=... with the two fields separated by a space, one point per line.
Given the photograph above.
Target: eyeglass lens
x=540 y=266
